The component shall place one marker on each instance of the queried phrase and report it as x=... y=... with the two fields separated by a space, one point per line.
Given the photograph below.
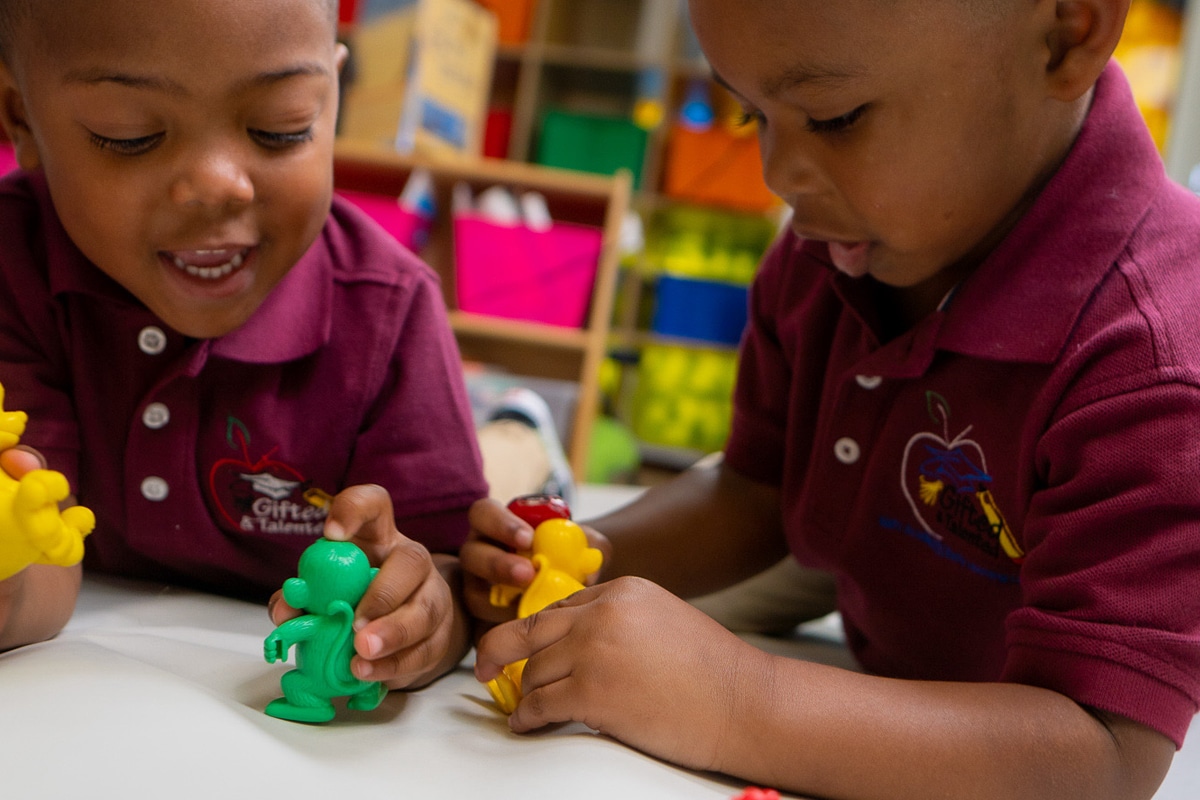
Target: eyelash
x=837 y=124
x=143 y=144
x=826 y=126
x=126 y=147
x=282 y=141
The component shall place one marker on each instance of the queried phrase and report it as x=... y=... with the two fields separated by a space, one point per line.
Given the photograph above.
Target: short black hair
x=14 y=12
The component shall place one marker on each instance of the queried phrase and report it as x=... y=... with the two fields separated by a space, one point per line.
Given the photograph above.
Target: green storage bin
x=591 y=143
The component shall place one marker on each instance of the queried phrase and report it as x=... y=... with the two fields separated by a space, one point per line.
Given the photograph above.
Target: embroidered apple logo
x=235 y=483
x=953 y=486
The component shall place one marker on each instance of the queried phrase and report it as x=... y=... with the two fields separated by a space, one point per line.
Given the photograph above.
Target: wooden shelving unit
x=522 y=348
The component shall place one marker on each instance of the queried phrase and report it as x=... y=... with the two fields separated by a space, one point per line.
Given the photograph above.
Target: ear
x=1080 y=42
x=13 y=118
x=296 y=593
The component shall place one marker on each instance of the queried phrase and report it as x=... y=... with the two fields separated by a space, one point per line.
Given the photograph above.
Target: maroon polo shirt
x=1011 y=489
x=196 y=454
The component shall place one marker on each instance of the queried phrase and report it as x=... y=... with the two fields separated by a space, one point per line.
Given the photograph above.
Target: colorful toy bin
x=516 y=272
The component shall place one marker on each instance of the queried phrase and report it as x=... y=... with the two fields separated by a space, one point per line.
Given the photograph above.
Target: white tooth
x=179 y=262
x=191 y=270
x=236 y=261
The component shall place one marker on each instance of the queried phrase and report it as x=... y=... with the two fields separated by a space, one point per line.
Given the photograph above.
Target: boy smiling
x=201 y=334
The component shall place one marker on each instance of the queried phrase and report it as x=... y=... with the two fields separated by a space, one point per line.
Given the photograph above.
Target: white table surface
x=157 y=692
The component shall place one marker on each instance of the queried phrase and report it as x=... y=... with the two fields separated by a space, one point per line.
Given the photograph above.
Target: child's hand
x=490 y=557
x=632 y=661
x=407 y=628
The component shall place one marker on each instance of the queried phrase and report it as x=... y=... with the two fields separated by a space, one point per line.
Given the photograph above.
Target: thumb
x=362 y=514
x=19 y=460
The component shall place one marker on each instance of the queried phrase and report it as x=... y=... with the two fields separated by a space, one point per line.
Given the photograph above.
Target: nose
x=790 y=170
x=215 y=179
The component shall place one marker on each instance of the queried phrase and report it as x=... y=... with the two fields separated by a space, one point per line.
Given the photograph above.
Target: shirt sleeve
x=755 y=447
x=33 y=364
x=1111 y=611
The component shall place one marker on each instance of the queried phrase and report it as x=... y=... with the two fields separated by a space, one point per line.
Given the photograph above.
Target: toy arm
x=280 y=640
x=504 y=596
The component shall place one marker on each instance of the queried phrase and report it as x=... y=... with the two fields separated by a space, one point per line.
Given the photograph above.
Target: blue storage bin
x=709 y=311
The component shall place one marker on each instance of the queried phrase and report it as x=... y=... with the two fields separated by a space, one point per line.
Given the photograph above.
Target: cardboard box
x=449 y=80
x=421 y=78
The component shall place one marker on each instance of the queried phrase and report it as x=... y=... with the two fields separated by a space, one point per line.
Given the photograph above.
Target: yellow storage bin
x=684 y=396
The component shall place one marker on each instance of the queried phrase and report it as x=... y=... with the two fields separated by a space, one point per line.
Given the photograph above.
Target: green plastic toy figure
x=332 y=579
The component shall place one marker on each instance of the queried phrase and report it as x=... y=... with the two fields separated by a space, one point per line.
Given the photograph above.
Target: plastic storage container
x=710 y=311
x=8 y=159
x=717 y=166
x=591 y=143
x=684 y=396
x=409 y=228
x=517 y=272
x=512 y=17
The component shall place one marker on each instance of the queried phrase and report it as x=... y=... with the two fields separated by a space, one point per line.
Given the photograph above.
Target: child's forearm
x=706 y=529
x=36 y=603
x=831 y=733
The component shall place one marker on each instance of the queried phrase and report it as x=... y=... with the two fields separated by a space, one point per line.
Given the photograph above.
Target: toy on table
x=562 y=560
x=32 y=529
x=755 y=793
x=333 y=576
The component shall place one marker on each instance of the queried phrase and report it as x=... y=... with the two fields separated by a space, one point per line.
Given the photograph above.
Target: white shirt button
x=846 y=450
x=156 y=415
x=152 y=340
x=155 y=488
x=868 y=382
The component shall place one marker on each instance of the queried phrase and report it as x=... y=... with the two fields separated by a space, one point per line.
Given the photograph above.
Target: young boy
x=203 y=346
x=969 y=389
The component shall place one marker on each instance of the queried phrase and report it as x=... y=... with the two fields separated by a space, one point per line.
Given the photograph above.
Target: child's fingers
x=486 y=561
x=406 y=567
x=278 y=609
x=522 y=638
x=545 y=705
x=404 y=643
x=490 y=520
x=19 y=460
x=363 y=514
x=477 y=597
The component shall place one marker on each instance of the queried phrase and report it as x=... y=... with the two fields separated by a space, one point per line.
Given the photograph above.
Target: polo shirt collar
x=295 y=320
x=1023 y=301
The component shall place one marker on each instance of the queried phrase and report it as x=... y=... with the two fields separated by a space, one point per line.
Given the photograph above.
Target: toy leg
x=505 y=688
x=368 y=699
x=299 y=703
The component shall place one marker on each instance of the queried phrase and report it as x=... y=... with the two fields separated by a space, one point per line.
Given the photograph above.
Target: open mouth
x=208 y=264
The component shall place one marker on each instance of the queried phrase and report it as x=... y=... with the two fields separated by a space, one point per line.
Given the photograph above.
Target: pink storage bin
x=8 y=159
x=410 y=229
x=520 y=273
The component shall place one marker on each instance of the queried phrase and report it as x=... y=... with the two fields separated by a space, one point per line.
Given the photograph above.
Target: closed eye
x=281 y=141
x=126 y=147
x=836 y=124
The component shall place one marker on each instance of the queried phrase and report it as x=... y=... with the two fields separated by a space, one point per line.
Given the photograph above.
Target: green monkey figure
x=332 y=579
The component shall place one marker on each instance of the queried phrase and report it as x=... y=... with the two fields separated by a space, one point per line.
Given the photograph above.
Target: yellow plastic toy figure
x=562 y=560
x=32 y=529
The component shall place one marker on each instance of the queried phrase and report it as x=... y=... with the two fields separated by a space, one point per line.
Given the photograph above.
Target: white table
x=157 y=692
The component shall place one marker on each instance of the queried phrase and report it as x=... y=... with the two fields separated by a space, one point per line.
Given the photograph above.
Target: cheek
x=101 y=215
x=297 y=197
